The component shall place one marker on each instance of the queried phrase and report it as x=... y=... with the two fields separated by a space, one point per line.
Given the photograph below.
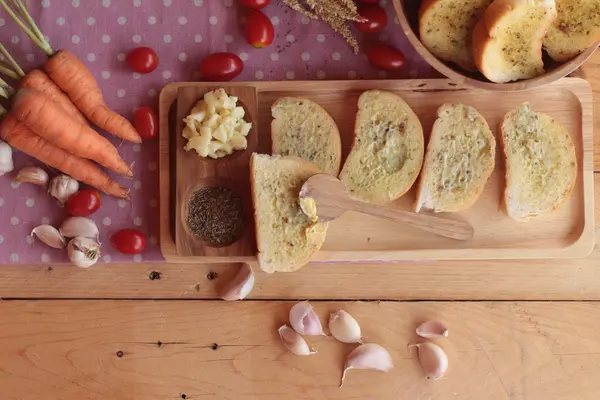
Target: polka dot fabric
x=182 y=32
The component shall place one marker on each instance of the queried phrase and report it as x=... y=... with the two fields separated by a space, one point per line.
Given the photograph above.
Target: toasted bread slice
x=576 y=28
x=285 y=236
x=446 y=28
x=459 y=160
x=507 y=40
x=302 y=128
x=388 y=148
x=541 y=163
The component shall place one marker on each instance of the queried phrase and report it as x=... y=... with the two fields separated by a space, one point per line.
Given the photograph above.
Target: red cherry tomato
x=385 y=57
x=370 y=1
x=129 y=241
x=256 y=4
x=259 y=30
x=145 y=121
x=376 y=18
x=143 y=60
x=221 y=67
x=84 y=203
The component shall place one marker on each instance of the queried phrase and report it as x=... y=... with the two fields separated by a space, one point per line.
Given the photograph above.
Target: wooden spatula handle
x=443 y=226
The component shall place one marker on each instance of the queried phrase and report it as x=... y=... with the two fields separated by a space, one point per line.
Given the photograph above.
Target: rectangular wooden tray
x=567 y=233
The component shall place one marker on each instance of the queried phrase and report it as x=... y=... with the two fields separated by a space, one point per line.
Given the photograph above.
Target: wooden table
x=153 y=331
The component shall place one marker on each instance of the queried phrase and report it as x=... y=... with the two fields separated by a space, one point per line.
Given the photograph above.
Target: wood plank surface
x=591 y=71
x=155 y=350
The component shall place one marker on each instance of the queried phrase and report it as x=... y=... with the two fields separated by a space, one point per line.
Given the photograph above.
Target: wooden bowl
x=408 y=12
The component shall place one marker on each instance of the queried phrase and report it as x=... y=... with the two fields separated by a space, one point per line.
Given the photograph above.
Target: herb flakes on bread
x=302 y=128
x=388 y=148
x=541 y=163
x=285 y=236
x=459 y=160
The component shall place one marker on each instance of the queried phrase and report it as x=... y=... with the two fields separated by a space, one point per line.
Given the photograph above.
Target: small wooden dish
x=408 y=12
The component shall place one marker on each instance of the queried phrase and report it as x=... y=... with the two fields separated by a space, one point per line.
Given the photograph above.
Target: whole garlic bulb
x=6 y=160
x=83 y=252
x=62 y=187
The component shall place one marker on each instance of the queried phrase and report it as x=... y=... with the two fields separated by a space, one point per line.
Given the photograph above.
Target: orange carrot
x=38 y=80
x=80 y=169
x=51 y=122
x=73 y=77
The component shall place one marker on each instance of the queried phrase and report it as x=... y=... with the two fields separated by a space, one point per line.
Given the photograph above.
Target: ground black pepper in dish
x=216 y=215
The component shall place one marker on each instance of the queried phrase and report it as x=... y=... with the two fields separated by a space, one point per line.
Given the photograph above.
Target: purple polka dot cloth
x=182 y=32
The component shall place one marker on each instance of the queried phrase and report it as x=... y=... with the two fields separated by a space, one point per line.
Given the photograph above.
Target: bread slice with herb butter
x=285 y=236
x=507 y=40
x=387 y=153
x=541 y=163
x=446 y=28
x=576 y=28
x=302 y=128
x=459 y=160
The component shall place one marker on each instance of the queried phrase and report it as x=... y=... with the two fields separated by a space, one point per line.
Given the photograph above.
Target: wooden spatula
x=332 y=199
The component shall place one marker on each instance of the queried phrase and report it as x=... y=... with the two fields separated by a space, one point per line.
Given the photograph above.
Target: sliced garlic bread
x=388 y=148
x=576 y=28
x=446 y=28
x=302 y=128
x=541 y=163
x=285 y=236
x=507 y=40
x=459 y=160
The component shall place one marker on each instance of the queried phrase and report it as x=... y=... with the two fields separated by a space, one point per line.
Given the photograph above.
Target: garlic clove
x=432 y=329
x=50 y=236
x=79 y=226
x=305 y=320
x=6 y=158
x=344 y=327
x=433 y=359
x=368 y=356
x=240 y=286
x=83 y=252
x=35 y=175
x=294 y=342
x=62 y=187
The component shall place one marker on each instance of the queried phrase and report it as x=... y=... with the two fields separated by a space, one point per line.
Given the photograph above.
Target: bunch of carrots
x=50 y=109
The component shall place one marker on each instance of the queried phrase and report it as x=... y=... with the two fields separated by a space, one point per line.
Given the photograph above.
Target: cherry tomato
x=385 y=57
x=256 y=4
x=143 y=60
x=129 y=241
x=145 y=121
x=376 y=18
x=84 y=203
x=370 y=1
x=259 y=30
x=221 y=67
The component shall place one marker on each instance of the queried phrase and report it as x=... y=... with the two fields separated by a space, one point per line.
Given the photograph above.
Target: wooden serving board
x=567 y=233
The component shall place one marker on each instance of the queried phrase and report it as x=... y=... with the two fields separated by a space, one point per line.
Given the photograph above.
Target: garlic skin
x=368 y=356
x=433 y=359
x=432 y=330
x=294 y=342
x=79 y=227
x=50 y=236
x=83 y=252
x=62 y=187
x=240 y=286
x=6 y=159
x=35 y=175
x=344 y=327
x=305 y=320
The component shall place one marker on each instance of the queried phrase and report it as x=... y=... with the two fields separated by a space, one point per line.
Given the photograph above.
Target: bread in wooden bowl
x=576 y=28
x=541 y=163
x=302 y=128
x=285 y=236
x=387 y=152
x=446 y=28
x=459 y=160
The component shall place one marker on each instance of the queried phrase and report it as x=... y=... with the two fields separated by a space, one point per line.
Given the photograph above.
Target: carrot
x=51 y=122
x=22 y=138
x=73 y=77
x=38 y=80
